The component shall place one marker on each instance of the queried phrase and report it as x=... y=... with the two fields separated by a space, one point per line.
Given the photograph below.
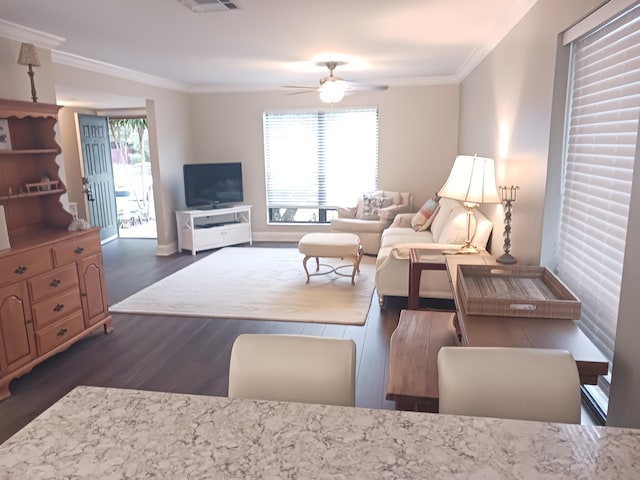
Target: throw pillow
x=370 y=208
x=423 y=219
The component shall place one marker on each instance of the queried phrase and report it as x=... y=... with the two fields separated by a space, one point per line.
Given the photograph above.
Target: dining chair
x=519 y=383
x=296 y=368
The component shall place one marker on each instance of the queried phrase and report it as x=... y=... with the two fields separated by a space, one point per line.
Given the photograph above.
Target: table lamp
x=29 y=56
x=472 y=181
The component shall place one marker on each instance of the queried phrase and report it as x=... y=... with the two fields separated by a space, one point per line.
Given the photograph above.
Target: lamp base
x=506 y=259
x=467 y=248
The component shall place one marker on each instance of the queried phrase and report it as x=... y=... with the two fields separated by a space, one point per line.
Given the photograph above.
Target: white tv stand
x=218 y=227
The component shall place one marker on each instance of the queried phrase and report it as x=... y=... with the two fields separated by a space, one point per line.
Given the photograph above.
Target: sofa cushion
x=422 y=220
x=396 y=236
x=355 y=225
x=439 y=221
x=455 y=228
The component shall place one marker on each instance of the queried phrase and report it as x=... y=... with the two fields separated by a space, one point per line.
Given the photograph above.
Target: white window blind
x=320 y=159
x=602 y=137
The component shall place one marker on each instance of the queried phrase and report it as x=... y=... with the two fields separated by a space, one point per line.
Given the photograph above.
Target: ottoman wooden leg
x=304 y=264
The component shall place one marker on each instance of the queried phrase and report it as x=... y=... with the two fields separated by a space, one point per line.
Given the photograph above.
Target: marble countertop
x=106 y=433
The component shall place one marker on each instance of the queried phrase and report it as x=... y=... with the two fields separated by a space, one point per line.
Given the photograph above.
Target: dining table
x=110 y=433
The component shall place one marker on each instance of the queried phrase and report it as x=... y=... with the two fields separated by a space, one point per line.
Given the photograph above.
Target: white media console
x=219 y=227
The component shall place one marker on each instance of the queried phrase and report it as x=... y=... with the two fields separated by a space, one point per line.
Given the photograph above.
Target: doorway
x=132 y=177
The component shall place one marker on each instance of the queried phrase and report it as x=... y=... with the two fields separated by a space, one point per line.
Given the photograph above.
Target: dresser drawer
x=24 y=265
x=71 y=250
x=54 y=308
x=53 y=282
x=58 y=333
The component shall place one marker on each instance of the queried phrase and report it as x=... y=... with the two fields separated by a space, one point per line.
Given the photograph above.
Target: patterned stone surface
x=105 y=433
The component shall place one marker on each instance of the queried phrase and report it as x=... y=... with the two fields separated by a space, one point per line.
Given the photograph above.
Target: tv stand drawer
x=221 y=236
x=206 y=229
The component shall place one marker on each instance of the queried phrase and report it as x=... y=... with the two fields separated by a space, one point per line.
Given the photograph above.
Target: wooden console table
x=499 y=331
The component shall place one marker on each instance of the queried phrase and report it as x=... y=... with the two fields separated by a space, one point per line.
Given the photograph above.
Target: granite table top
x=106 y=433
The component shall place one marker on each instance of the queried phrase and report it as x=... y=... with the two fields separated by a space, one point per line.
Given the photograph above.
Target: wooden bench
x=413 y=368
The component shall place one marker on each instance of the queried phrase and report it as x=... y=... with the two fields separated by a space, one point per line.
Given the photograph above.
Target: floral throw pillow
x=422 y=220
x=371 y=206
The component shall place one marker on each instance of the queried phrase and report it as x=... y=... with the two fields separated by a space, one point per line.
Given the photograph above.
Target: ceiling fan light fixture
x=332 y=91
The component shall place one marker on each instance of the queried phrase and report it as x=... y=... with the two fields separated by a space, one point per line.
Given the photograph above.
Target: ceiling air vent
x=200 y=6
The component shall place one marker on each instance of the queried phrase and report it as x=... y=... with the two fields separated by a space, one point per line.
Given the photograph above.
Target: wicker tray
x=515 y=292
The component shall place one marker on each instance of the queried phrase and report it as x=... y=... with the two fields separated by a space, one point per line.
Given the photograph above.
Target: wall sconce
x=29 y=56
x=508 y=196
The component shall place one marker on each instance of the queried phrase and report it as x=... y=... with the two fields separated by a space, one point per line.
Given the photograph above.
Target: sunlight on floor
x=145 y=230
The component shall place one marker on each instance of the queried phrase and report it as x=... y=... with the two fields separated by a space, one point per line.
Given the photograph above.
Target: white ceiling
x=268 y=43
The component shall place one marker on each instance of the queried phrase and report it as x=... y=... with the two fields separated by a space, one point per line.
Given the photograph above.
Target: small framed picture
x=5 y=138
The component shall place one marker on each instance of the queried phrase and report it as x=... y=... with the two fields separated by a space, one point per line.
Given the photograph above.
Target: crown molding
x=16 y=32
x=495 y=35
x=71 y=60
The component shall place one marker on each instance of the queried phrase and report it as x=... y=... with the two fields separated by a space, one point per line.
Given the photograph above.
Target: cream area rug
x=259 y=283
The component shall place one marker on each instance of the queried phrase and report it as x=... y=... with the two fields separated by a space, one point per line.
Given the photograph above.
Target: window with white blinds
x=320 y=158
x=601 y=141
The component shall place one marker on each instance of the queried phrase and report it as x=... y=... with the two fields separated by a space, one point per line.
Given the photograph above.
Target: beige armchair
x=374 y=212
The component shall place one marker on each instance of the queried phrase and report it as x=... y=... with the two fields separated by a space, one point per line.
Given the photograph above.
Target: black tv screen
x=212 y=184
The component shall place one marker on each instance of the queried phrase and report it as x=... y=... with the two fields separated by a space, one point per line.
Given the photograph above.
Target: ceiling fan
x=332 y=89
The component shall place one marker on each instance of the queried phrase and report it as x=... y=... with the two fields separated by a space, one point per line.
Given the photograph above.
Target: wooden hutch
x=52 y=283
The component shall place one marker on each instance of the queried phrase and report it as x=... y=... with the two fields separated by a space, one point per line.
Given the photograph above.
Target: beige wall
x=512 y=108
x=418 y=138
x=506 y=112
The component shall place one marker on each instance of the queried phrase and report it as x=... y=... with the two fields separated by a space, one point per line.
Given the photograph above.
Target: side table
x=422 y=259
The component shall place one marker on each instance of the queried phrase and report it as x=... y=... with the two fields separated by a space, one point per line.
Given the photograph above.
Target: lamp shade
x=472 y=181
x=332 y=91
x=28 y=55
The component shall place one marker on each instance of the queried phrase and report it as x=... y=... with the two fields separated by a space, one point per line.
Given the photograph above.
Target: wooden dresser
x=52 y=283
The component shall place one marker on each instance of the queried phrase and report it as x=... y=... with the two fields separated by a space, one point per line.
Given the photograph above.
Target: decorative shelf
x=33 y=194
x=44 y=186
x=33 y=151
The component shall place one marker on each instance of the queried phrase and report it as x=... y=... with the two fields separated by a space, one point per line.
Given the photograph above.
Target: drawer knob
x=58 y=307
x=79 y=250
x=63 y=331
x=20 y=270
x=54 y=283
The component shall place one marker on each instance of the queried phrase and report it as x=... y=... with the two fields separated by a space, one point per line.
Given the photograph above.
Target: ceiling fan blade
x=305 y=87
x=364 y=87
x=302 y=91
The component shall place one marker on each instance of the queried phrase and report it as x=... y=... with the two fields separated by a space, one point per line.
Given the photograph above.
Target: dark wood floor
x=170 y=354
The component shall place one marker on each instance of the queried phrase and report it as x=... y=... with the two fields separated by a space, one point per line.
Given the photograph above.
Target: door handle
x=86 y=189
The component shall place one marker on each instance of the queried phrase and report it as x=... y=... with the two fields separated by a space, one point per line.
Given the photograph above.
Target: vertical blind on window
x=320 y=159
x=602 y=137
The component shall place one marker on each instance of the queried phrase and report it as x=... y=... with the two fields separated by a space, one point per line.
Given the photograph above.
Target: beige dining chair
x=519 y=383
x=296 y=368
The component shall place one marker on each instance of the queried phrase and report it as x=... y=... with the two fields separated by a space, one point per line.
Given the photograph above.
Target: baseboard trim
x=167 y=249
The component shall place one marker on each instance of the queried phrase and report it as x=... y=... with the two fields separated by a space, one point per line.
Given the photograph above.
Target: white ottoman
x=331 y=245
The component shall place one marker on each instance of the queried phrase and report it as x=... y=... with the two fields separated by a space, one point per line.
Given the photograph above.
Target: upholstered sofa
x=372 y=214
x=448 y=231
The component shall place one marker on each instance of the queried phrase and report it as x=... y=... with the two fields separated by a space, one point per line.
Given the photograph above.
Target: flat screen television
x=212 y=185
